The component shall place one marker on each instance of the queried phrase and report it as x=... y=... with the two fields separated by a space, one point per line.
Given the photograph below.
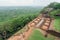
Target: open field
x=37 y=35
x=57 y=23
x=56 y=19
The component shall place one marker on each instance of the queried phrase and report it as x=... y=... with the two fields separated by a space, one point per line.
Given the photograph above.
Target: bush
x=54 y=12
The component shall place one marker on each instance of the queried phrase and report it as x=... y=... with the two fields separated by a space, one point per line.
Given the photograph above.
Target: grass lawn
x=57 y=19
x=57 y=23
x=36 y=35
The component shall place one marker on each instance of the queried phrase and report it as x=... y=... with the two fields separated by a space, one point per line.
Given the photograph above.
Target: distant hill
x=10 y=12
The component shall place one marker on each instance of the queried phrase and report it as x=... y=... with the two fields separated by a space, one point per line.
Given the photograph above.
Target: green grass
x=57 y=23
x=37 y=35
x=57 y=19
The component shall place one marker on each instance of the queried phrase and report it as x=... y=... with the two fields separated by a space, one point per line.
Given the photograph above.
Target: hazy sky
x=26 y=2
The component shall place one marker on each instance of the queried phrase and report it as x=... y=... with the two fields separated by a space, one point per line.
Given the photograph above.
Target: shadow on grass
x=54 y=33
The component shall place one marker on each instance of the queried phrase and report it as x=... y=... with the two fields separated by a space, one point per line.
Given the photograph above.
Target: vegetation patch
x=57 y=23
x=37 y=35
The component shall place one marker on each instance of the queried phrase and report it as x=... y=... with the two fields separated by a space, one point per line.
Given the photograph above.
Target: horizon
x=26 y=2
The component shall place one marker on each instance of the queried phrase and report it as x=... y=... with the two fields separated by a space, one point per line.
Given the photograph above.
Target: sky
x=26 y=2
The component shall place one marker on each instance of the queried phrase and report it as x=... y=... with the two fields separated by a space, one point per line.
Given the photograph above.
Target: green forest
x=13 y=19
